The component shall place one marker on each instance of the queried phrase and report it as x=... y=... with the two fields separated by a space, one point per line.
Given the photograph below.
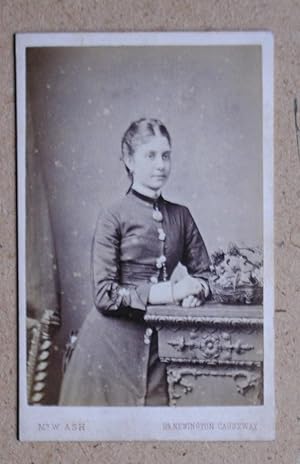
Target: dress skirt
x=114 y=363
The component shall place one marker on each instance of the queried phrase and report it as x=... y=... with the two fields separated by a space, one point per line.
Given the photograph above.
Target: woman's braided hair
x=136 y=134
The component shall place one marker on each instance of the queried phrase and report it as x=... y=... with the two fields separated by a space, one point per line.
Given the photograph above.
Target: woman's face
x=151 y=162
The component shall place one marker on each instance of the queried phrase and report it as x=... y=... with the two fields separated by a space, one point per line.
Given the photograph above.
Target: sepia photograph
x=145 y=236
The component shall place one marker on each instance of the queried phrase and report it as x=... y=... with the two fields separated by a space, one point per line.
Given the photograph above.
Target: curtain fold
x=42 y=279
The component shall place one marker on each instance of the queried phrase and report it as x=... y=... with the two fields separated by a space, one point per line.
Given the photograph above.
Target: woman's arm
x=169 y=292
x=109 y=296
x=195 y=256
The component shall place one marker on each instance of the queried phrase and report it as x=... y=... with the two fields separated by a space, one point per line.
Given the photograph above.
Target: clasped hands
x=188 y=291
x=191 y=291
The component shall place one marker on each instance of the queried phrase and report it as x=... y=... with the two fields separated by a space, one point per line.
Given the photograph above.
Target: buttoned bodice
x=139 y=242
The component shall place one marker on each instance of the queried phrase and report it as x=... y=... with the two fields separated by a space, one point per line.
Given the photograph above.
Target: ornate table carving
x=214 y=353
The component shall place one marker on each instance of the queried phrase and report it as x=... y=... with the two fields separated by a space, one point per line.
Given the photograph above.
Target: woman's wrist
x=190 y=285
x=173 y=294
x=162 y=293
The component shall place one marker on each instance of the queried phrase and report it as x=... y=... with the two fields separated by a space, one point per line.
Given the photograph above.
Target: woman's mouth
x=159 y=176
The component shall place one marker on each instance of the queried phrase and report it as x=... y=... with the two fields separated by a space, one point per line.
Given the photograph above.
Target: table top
x=209 y=312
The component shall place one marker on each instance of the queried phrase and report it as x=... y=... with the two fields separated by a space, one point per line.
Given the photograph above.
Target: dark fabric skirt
x=113 y=364
x=157 y=388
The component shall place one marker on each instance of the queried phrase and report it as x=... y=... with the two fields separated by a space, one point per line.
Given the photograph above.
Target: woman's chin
x=157 y=184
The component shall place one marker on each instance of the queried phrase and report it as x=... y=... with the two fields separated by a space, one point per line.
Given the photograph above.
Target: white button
x=161 y=235
x=147 y=336
x=157 y=216
x=154 y=279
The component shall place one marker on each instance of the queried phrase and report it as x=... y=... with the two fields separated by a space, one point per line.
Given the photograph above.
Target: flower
x=211 y=347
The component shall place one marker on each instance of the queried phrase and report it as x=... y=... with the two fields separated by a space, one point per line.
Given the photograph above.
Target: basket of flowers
x=237 y=275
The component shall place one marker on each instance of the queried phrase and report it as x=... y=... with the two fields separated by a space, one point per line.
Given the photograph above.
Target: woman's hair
x=138 y=132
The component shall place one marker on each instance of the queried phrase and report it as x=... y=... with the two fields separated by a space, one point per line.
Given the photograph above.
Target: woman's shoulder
x=176 y=206
x=117 y=206
x=108 y=209
x=114 y=210
x=180 y=211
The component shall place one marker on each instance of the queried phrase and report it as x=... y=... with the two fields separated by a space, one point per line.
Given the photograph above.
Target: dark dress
x=115 y=360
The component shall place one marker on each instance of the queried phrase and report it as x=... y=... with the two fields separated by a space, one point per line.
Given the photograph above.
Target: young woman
x=137 y=244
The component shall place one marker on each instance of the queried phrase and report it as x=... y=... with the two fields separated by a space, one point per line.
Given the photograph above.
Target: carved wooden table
x=214 y=353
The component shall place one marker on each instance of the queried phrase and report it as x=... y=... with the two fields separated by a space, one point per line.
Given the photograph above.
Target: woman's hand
x=188 y=286
x=191 y=302
x=190 y=291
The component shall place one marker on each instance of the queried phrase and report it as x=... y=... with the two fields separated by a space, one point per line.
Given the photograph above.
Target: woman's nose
x=159 y=162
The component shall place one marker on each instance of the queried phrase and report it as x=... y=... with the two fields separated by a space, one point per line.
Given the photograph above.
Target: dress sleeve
x=109 y=296
x=195 y=256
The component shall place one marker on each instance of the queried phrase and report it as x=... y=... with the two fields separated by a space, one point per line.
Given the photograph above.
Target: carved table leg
x=215 y=385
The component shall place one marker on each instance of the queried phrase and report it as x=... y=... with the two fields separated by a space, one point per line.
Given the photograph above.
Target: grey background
x=82 y=101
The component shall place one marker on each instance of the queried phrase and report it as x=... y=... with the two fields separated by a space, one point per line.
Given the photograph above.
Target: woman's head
x=146 y=152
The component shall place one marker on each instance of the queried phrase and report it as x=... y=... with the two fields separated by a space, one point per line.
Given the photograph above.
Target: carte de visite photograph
x=145 y=236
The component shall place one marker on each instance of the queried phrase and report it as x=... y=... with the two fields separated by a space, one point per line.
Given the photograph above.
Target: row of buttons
x=161 y=260
x=160 y=264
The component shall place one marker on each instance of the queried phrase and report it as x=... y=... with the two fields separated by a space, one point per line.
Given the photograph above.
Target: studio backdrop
x=80 y=101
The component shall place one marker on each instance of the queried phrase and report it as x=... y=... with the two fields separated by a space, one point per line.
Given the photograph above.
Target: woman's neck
x=146 y=191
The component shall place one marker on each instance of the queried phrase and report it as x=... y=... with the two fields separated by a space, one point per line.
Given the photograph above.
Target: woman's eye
x=166 y=156
x=151 y=155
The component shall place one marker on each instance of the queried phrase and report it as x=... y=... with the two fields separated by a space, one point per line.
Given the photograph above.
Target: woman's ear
x=129 y=163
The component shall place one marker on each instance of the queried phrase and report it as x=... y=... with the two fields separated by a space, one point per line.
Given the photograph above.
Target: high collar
x=151 y=201
x=146 y=191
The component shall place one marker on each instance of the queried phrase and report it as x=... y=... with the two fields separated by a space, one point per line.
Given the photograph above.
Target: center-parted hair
x=138 y=132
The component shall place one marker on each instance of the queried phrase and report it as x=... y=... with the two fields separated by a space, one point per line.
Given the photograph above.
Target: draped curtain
x=42 y=280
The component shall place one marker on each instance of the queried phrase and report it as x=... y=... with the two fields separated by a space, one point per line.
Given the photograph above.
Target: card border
x=129 y=419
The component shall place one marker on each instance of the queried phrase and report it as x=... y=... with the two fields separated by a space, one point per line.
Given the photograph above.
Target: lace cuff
x=135 y=298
